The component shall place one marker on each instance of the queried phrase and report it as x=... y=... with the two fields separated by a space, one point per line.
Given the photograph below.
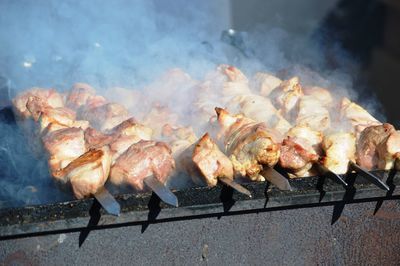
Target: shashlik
x=141 y=160
x=248 y=144
x=288 y=123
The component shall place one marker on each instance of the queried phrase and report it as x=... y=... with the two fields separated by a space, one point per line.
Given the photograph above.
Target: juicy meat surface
x=48 y=96
x=377 y=146
x=63 y=146
x=260 y=109
x=211 y=162
x=357 y=117
x=248 y=144
x=87 y=173
x=389 y=152
x=120 y=138
x=297 y=155
x=313 y=113
x=143 y=159
x=287 y=95
x=340 y=149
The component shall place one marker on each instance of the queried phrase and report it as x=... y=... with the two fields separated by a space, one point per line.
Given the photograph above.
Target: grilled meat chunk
x=357 y=117
x=313 y=137
x=265 y=83
x=340 y=149
x=377 y=147
x=106 y=116
x=321 y=94
x=312 y=113
x=260 y=109
x=88 y=172
x=79 y=95
x=211 y=162
x=286 y=96
x=120 y=138
x=158 y=117
x=63 y=146
x=389 y=152
x=297 y=156
x=48 y=96
x=59 y=117
x=143 y=159
x=248 y=144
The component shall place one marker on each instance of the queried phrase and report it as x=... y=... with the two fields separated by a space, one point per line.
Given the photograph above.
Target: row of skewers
x=306 y=130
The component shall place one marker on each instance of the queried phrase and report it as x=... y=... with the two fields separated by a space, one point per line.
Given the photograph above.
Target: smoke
x=121 y=43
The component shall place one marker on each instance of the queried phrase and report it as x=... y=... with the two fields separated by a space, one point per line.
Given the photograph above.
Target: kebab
x=201 y=159
x=124 y=139
x=251 y=146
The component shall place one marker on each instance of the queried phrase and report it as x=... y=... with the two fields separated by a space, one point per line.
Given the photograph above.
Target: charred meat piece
x=340 y=149
x=248 y=144
x=143 y=159
x=377 y=147
x=87 y=173
x=63 y=146
x=211 y=162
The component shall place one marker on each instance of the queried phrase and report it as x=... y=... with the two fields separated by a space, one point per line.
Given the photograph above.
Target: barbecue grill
x=318 y=221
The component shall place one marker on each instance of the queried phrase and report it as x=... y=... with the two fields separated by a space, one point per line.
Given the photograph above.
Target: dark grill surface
x=221 y=200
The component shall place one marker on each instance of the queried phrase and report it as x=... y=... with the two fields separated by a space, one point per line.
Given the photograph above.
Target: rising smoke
x=51 y=43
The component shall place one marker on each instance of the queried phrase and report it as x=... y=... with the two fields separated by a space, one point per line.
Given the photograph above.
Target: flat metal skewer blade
x=370 y=177
x=276 y=178
x=108 y=202
x=335 y=177
x=161 y=190
x=235 y=186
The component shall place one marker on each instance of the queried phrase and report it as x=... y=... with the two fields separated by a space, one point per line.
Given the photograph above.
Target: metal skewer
x=107 y=201
x=328 y=173
x=370 y=177
x=276 y=178
x=235 y=186
x=161 y=190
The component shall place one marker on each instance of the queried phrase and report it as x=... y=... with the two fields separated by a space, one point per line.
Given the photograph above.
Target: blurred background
x=367 y=31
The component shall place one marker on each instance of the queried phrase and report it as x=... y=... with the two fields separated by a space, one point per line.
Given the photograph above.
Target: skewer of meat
x=205 y=163
x=119 y=133
x=250 y=146
x=146 y=162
